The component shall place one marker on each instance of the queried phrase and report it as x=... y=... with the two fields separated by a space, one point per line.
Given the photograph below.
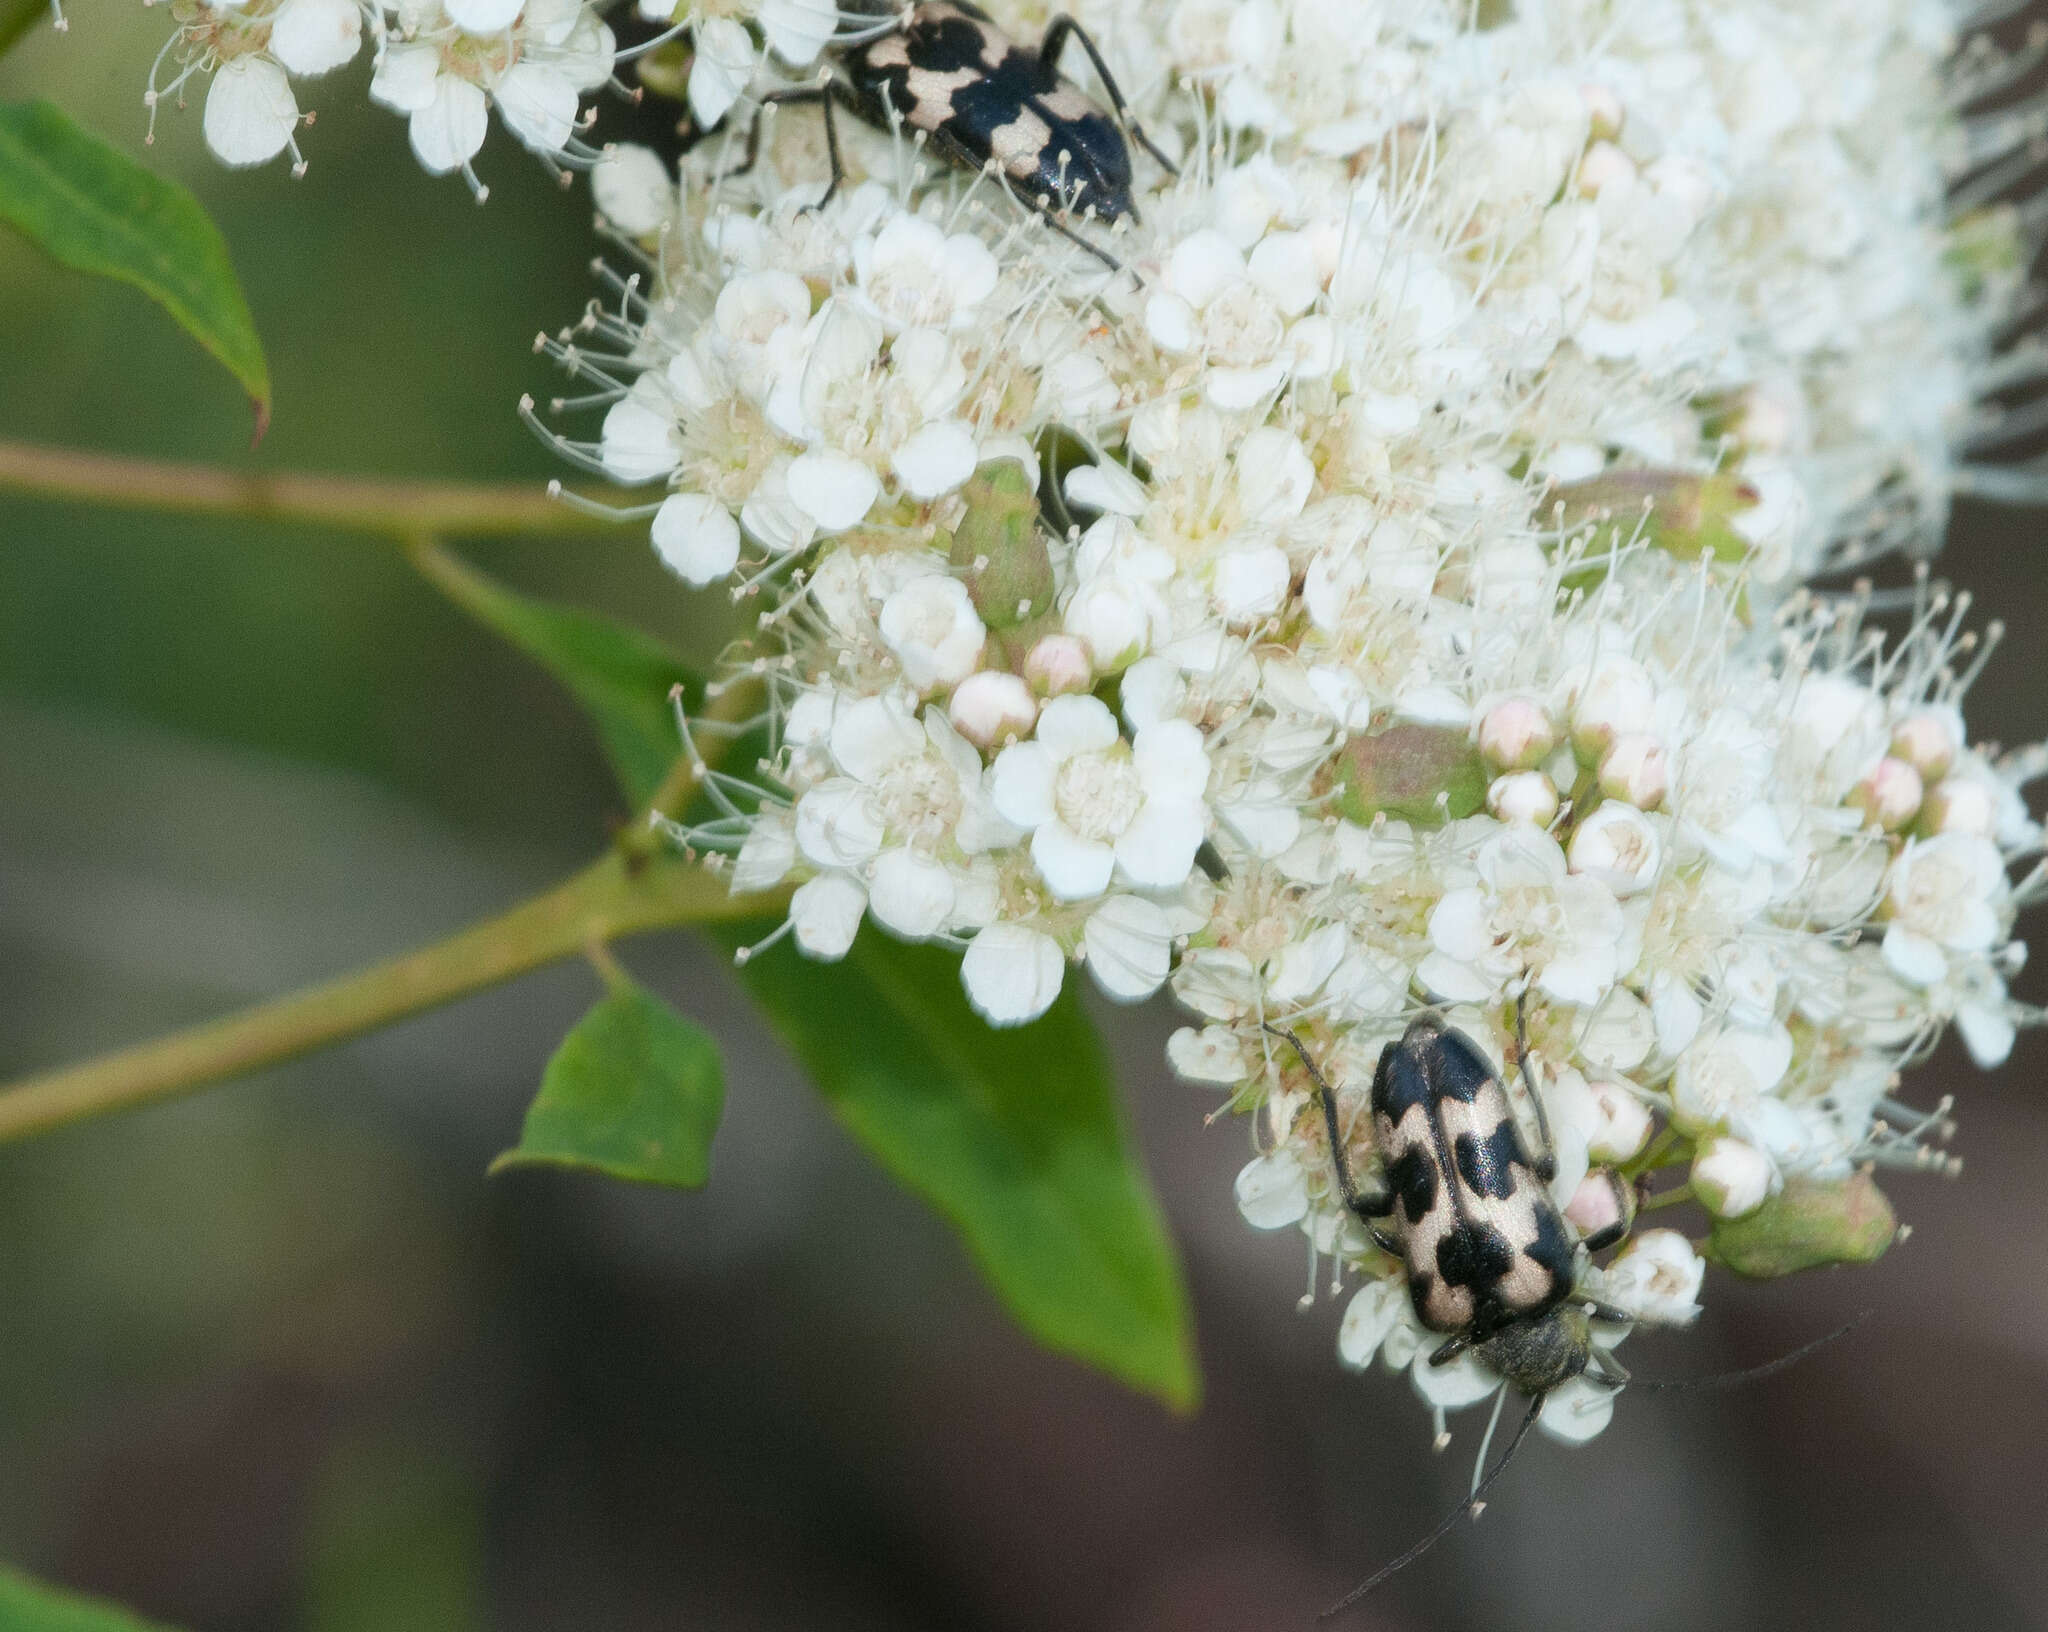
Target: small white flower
x=1094 y=804
x=915 y=276
x=1617 y=845
x=1528 y=912
x=633 y=189
x=931 y=626
x=1945 y=896
x=1657 y=1279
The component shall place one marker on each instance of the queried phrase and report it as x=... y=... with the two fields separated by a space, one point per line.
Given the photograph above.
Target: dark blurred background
x=279 y=1358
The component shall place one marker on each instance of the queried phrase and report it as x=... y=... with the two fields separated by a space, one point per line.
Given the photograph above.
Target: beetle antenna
x=1471 y=1504
x=1753 y=1374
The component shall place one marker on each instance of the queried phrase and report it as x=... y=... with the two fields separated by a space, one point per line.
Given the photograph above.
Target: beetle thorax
x=1537 y=1355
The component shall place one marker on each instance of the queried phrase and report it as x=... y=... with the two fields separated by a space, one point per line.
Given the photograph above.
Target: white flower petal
x=1076 y=725
x=1272 y=1191
x=1075 y=868
x=312 y=37
x=910 y=895
x=1576 y=1410
x=825 y=915
x=1157 y=850
x=1012 y=974
x=936 y=459
x=696 y=538
x=1021 y=784
x=1129 y=944
x=447 y=132
x=833 y=490
x=250 y=111
x=482 y=16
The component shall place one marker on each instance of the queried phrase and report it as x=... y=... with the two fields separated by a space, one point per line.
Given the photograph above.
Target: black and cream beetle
x=1491 y=1263
x=984 y=102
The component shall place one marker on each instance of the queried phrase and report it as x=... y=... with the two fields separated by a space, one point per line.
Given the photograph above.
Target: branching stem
x=395 y=508
x=617 y=895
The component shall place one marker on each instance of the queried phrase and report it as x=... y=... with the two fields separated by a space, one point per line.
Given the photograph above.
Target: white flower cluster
x=444 y=64
x=1422 y=624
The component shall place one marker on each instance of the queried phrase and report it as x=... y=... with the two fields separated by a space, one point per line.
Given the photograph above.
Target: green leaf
x=635 y=1091
x=620 y=675
x=93 y=208
x=29 y=1606
x=1013 y=1135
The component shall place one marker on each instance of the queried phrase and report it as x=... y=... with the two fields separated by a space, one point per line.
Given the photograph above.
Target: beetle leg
x=1450 y=1349
x=1367 y=1204
x=824 y=94
x=1546 y=1163
x=1601 y=1240
x=1610 y=1372
x=1049 y=48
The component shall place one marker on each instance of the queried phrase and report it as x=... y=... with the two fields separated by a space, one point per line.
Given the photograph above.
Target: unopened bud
x=1634 y=769
x=1523 y=796
x=1808 y=1223
x=1926 y=741
x=1603 y=1201
x=1616 y=701
x=1730 y=1178
x=1617 y=845
x=1603 y=165
x=1516 y=734
x=1420 y=773
x=1058 y=664
x=1675 y=511
x=991 y=706
x=999 y=548
x=1604 y=112
x=1622 y=1126
x=1960 y=804
x=1890 y=795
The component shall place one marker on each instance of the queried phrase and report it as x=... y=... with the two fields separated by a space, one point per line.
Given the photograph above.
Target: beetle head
x=1536 y=1355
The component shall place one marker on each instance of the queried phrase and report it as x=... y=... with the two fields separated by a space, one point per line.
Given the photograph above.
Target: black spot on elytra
x=1474 y=1256
x=1459 y=1071
x=1483 y=1164
x=1413 y=1179
x=1551 y=1246
x=1402 y=1080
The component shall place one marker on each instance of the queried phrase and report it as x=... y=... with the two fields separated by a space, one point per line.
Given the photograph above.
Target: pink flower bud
x=1523 y=796
x=1059 y=664
x=989 y=707
x=1926 y=741
x=1516 y=734
x=1890 y=795
x=1634 y=769
x=1603 y=1200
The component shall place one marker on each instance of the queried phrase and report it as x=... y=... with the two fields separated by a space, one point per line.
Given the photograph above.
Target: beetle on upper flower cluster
x=984 y=102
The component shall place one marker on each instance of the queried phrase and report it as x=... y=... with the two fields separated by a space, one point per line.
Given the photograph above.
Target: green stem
x=617 y=895
x=398 y=509
x=1666 y=1198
